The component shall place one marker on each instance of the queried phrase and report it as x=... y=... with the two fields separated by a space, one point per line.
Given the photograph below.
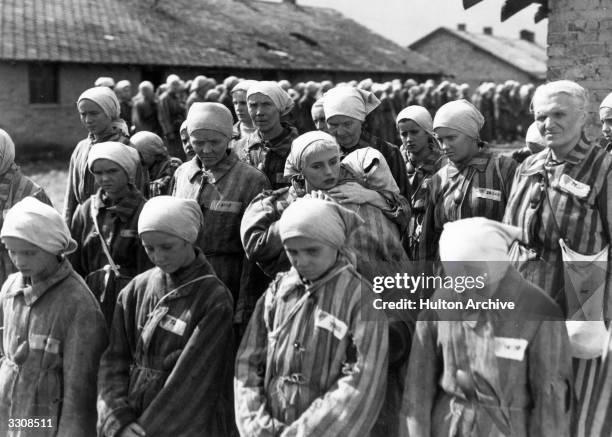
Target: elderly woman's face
x=263 y=112
x=168 y=252
x=347 y=130
x=240 y=106
x=559 y=119
x=414 y=138
x=93 y=117
x=110 y=177
x=322 y=170
x=457 y=146
x=309 y=257
x=605 y=115
x=209 y=145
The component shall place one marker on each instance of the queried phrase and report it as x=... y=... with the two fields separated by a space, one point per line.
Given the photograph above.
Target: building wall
x=467 y=63
x=51 y=126
x=579 y=48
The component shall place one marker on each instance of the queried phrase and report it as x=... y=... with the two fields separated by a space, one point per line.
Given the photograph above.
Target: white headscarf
x=461 y=116
x=7 y=151
x=211 y=116
x=419 y=115
x=351 y=102
x=181 y=218
x=124 y=156
x=107 y=100
x=297 y=156
x=281 y=99
x=607 y=102
x=370 y=168
x=320 y=220
x=39 y=224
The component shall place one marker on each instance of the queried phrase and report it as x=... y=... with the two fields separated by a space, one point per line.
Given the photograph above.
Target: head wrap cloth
x=180 y=218
x=351 y=102
x=419 y=115
x=124 y=156
x=281 y=99
x=299 y=150
x=148 y=143
x=320 y=220
x=106 y=99
x=371 y=169
x=460 y=115
x=477 y=239
x=606 y=102
x=7 y=151
x=39 y=224
x=211 y=116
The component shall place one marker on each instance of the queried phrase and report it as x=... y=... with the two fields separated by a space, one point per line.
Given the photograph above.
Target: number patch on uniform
x=330 y=323
x=42 y=342
x=510 y=348
x=172 y=324
x=226 y=206
x=487 y=193
x=572 y=186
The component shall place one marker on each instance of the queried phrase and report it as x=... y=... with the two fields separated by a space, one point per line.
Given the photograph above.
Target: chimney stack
x=487 y=30
x=462 y=27
x=527 y=35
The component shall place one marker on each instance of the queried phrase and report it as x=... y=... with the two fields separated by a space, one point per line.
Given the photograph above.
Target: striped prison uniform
x=585 y=222
x=224 y=192
x=313 y=360
x=478 y=188
x=166 y=366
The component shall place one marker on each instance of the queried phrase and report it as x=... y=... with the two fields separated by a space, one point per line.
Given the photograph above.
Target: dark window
x=43 y=79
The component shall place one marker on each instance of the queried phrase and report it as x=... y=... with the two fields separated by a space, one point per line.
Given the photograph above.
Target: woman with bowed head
x=155 y=159
x=99 y=110
x=109 y=252
x=53 y=332
x=488 y=372
x=168 y=368
x=14 y=186
x=312 y=360
x=474 y=182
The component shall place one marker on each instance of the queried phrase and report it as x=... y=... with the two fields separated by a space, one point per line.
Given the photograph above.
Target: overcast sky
x=405 y=21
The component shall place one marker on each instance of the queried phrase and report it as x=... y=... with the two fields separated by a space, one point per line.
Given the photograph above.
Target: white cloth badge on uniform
x=226 y=206
x=331 y=323
x=488 y=193
x=42 y=342
x=128 y=233
x=572 y=186
x=53 y=346
x=510 y=348
x=172 y=324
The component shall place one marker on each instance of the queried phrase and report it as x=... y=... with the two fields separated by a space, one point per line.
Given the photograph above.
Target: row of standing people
x=210 y=130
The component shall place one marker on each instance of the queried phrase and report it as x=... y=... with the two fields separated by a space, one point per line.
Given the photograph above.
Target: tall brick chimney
x=487 y=30
x=527 y=35
x=462 y=27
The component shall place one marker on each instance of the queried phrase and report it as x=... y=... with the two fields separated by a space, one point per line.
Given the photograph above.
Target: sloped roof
x=512 y=7
x=203 y=33
x=527 y=56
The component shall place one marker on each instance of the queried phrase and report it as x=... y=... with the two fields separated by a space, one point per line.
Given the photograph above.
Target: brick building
x=484 y=57
x=51 y=50
x=579 y=44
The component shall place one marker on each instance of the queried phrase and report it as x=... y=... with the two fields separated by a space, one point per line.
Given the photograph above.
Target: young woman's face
x=166 y=251
x=187 y=148
x=110 y=177
x=29 y=259
x=322 y=170
x=414 y=138
x=457 y=146
x=310 y=258
x=239 y=101
x=93 y=117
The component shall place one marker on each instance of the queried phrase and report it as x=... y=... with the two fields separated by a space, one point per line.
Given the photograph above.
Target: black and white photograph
x=305 y=218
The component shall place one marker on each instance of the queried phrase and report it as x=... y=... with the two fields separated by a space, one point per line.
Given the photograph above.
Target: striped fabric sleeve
x=606 y=215
x=350 y=407
x=252 y=416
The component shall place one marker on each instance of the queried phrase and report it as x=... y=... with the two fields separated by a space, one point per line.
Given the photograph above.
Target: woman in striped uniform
x=577 y=180
x=313 y=359
x=474 y=183
x=14 y=186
